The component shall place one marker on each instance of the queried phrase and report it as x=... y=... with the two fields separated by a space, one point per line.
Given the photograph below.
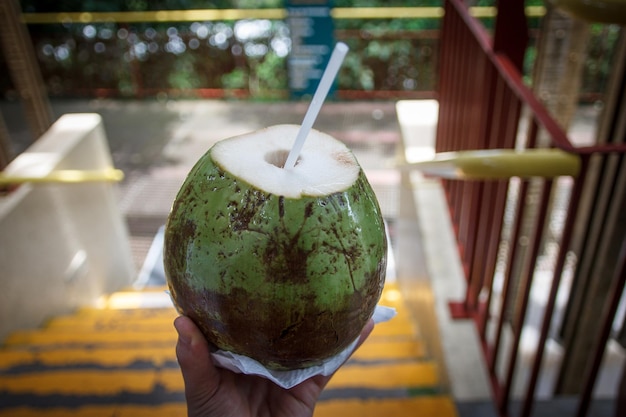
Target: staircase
x=119 y=360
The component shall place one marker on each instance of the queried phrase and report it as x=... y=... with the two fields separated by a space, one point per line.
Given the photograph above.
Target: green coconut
x=283 y=265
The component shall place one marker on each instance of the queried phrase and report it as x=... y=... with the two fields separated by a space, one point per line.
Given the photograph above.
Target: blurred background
x=165 y=79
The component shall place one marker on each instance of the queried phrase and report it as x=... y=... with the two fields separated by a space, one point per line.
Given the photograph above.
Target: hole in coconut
x=278 y=158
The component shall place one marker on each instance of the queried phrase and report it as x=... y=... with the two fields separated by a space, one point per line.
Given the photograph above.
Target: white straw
x=336 y=58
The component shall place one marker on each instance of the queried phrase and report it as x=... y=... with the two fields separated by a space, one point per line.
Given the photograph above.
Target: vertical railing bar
x=526 y=283
x=458 y=197
x=453 y=193
x=445 y=62
x=512 y=251
x=483 y=235
x=505 y=138
x=471 y=190
x=450 y=193
x=480 y=114
x=456 y=105
x=508 y=273
x=479 y=216
x=474 y=284
x=617 y=287
x=451 y=97
x=443 y=86
x=475 y=29
x=566 y=237
x=491 y=131
x=481 y=243
x=500 y=188
x=464 y=200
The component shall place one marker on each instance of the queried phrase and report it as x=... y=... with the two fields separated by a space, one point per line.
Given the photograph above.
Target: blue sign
x=312 y=42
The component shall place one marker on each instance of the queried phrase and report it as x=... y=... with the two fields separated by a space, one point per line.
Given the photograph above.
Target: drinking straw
x=330 y=73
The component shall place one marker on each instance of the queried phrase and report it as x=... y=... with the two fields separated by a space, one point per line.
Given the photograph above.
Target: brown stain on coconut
x=344 y=158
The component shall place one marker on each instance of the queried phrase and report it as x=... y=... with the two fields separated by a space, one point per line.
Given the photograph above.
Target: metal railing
x=502 y=238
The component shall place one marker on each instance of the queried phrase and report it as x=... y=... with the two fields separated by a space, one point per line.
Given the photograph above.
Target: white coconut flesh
x=324 y=166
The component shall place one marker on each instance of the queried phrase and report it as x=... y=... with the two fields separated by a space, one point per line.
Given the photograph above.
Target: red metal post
x=566 y=237
x=511 y=31
x=526 y=282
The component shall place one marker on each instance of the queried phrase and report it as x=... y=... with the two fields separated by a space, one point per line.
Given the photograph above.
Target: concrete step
x=121 y=361
x=431 y=406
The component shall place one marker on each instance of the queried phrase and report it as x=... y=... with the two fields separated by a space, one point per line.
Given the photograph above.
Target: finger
x=200 y=375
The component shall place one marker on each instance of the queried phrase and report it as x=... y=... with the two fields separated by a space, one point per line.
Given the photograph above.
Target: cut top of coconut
x=324 y=166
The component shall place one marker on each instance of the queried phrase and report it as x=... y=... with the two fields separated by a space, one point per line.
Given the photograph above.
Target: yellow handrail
x=66 y=176
x=499 y=164
x=199 y=15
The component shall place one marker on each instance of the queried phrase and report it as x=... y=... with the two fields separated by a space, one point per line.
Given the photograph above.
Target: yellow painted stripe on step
x=380 y=350
x=99 y=323
x=420 y=374
x=157 y=289
x=392 y=296
x=165 y=410
x=43 y=338
x=129 y=313
x=400 y=324
x=109 y=356
x=395 y=327
x=171 y=379
x=436 y=406
x=89 y=411
x=15 y=357
x=129 y=327
x=101 y=357
x=420 y=406
x=66 y=336
x=370 y=351
x=80 y=382
x=137 y=299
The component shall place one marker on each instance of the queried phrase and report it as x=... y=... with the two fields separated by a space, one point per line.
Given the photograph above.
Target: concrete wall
x=61 y=245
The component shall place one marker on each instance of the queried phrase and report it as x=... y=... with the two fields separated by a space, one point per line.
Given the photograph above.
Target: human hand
x=216 y=392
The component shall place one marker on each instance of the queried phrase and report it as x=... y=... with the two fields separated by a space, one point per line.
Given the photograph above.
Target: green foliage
x=237 y=78
x=152 y=57
x=183 y=75
x=599 y=62
x=272 y=73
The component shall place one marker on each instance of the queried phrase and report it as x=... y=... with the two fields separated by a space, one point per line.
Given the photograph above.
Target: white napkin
x=288 y=379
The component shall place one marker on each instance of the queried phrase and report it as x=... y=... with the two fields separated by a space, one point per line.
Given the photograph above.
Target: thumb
x=200 y=375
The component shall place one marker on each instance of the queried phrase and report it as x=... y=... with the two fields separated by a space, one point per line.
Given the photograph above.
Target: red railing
x=484 y=104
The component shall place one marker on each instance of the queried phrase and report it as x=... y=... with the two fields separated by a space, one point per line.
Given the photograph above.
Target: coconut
x=284 y=266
